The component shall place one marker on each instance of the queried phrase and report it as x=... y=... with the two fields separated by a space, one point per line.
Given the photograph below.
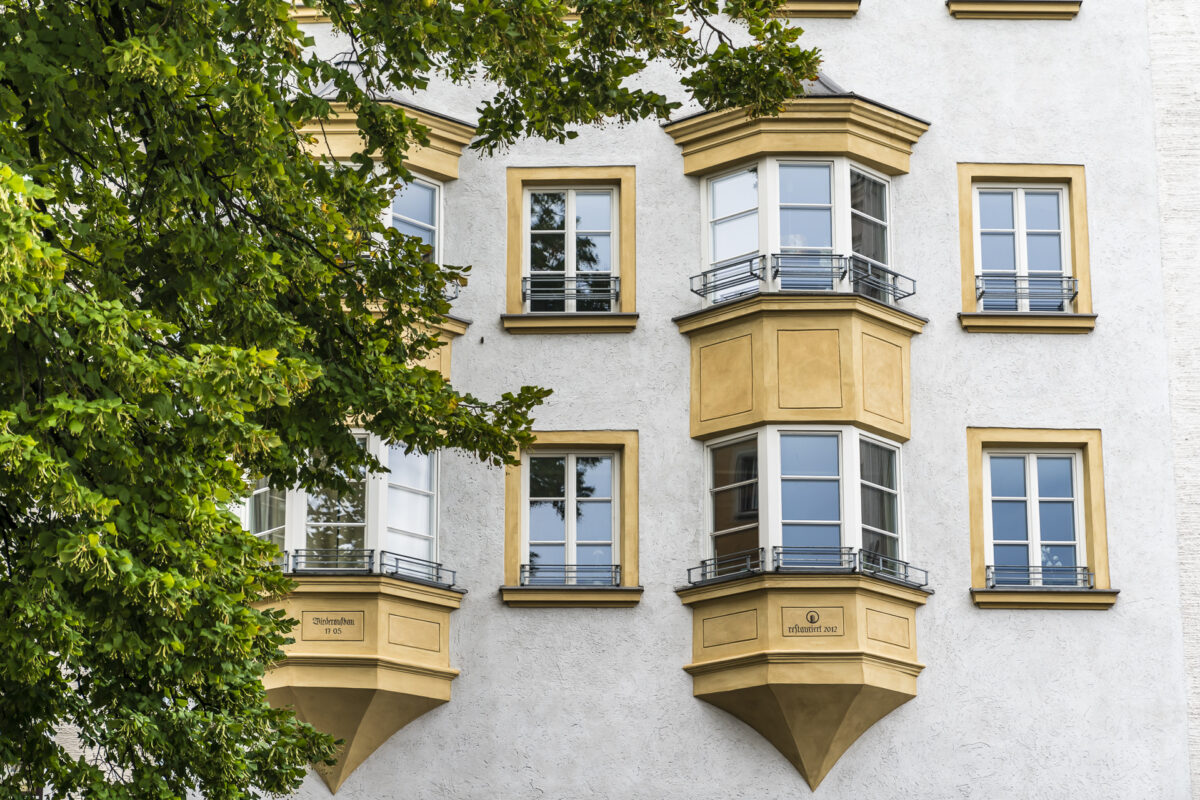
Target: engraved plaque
x=741 y=626
x=331 y=626
x=810 y=621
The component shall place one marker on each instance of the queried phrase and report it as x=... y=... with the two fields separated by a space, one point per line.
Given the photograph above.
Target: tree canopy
x=189 y=296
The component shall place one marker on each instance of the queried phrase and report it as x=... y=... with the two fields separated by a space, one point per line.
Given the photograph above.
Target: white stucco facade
x=1022 y=703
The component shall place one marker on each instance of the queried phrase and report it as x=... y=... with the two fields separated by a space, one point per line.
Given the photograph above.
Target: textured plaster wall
x=1175 y=60
x=566 y=703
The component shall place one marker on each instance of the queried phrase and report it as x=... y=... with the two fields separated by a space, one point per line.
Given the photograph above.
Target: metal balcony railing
x=812 y=560
x=570 y=574
x=586 y=293
x=746 y=562
x=315 y=561
x=1006 y=292
x=1040 y=577
x=802 y=272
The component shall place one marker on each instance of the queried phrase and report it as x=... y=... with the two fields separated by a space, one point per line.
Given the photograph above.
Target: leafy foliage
x=188 y=296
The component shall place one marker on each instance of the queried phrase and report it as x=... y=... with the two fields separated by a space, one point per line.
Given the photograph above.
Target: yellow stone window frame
x=1081 y=320
x=625 y=443
x=843 y=9
x=624 y=319
x=1087 y=442
x=1013 y=9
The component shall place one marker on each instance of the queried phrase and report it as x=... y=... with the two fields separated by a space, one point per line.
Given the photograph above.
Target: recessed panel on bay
x=810 y=369
x=331 y=626
x=422 y=634
x=887 y=628
x=740 y=626
x=726 y=378
x=883 y=378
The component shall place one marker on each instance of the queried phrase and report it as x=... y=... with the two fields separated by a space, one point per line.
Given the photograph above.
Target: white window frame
x=769 y=226
x=295 y=527
x=438 y=216
x=770 y=491
x=1032 y=517
x=1021 y=232
x=570 y=538
x=569 y=232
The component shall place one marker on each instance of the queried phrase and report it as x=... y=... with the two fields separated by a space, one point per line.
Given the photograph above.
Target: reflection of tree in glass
x=547 y=478
x=547 y=211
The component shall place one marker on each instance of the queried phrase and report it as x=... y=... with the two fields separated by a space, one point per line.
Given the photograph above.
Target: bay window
x=416 y=211
x=793 y=225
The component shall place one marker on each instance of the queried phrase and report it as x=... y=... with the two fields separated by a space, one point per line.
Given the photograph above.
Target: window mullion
x=570 y=511
x=1032 y=523
x=569 y=287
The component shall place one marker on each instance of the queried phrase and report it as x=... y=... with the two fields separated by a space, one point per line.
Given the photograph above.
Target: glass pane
x=881 y=544
x=1057 y=519
x=409 y=229
x=996 y=211
x=1008 y=477
x=1041 y=211
x=1045 y=252
x=594 y=293
x=411 y=546
x=733 y=508
x=805 y=184
x=414 y=469
x=593 y=211
x=1054 y=477
x=879 y=509
x=810 y=456
x=410 y=512
x=1012 y=564
x=735 y=237
x=546 y=523
x=416 y=201
x=593 y=476
x=547 y=476
x=594 y=555
x=331 y=505
x=593 y=522
x=547 y=252
x=547 y=292
x=815 y=500
x=868 y=238
x=806 y=227
x=593 y=251
x=335 y=537
x=998 y=251
x=734 y=193
x=730 y=544
x=877 y=463
x=734 y=463
x=1000 y=294
x=812 y=535
x=547 y=211
x=267 y=510
x=1009 y=521
x=1058 y=566
x=546 y=554
x=868 y=196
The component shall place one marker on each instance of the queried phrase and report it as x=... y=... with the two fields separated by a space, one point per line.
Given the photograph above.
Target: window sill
x=819 y=8
x=1095 y=599
x=1013 y=9
x=571 y=596
x=1025 y=322
x=556 y=322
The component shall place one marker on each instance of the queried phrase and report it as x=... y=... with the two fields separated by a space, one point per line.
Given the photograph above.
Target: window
x=571 y=521
x=415 y=211
x=1024 y=249
x=385 y=522
x=831 y=498
x=571 y=240
x=571 y=250
x=1037 y=519
x=823 y=227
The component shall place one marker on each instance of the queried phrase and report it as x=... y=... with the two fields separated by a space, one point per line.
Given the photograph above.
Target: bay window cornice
x=868 y=132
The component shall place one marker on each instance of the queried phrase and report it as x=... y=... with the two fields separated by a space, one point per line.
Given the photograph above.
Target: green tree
x=188 y=297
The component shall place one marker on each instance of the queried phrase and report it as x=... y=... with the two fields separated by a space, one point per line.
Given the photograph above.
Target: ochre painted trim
x=849 y=126
x=1013 y=9
x=623 y=178
x=786 y=581
x=339 y=138
x=560 y=597
x=624 y=442
x=1096 y=599
x=901 y=321
x=569 y=323
x=1070 y=174
x=336 y=585
x=303 y=14
x=1018 y=322
x=819 y=8
x=1088 y=442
